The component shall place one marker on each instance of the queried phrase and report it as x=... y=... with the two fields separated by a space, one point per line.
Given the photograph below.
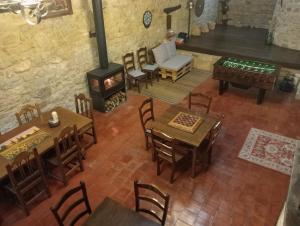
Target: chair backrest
x=27 y=113
x=84 y=106
x=146 y=112
x=151 y=200
x=215 y=131
x=199 y=99
x=164 y=145
x=67 y=145
x=26 y=175
x=71 y=206
x=128 y=61
x=142 y=55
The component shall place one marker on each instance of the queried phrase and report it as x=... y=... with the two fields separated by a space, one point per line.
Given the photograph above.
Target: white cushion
x=150 y=67
x=176 y=62
x=136 y=73
x=171 y=48
x=160 y=54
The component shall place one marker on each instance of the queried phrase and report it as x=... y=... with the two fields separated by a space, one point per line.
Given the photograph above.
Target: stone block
x=211 y=25
x=196 y=31
x=204 y=28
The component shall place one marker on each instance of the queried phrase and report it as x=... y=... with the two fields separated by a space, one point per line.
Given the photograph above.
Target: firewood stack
x=112 y=102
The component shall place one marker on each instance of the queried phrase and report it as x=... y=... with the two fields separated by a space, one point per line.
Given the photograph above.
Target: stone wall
x=47 y=63
x=254 y=13
x=286 y=24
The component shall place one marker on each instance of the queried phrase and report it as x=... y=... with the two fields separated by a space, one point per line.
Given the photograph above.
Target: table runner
x=24 y=141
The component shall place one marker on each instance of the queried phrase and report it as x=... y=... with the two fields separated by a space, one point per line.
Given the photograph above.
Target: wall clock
x=147 y=18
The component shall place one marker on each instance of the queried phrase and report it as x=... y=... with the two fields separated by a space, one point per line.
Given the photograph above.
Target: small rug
x=269 y=150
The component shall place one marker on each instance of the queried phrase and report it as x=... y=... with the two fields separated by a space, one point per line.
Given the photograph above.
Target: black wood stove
x=107 y=80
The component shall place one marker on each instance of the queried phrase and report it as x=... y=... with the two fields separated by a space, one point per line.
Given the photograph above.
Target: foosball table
x=244 y=74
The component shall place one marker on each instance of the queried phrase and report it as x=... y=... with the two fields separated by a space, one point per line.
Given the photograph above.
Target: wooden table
x=67 y=118
x=193 y=139
x=111 y=213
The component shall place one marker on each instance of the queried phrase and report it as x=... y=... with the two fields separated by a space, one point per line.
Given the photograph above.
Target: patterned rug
x=269 y=150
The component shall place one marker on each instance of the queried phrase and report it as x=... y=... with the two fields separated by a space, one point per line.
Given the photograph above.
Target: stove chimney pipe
x=100 y=33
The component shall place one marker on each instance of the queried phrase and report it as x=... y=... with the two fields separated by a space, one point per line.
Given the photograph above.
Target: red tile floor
x=232 y=192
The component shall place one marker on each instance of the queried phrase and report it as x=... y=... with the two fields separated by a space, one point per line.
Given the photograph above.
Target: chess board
x=186 y=122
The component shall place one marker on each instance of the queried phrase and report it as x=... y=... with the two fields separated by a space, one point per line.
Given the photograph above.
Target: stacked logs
x=112 y=102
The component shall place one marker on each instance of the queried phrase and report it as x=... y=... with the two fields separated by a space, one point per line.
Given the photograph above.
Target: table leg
x=194 y=152
x=226 y=85
x=260 y=96
x=221 y=87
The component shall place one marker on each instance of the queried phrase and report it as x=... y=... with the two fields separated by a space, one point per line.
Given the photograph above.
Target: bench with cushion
x=170 y=64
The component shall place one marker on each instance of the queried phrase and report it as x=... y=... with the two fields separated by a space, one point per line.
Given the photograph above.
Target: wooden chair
x=152 y=201
x=133 y=75
x=27 y=113
x=71 y=206
x=84 y=106
x=207 y=145
x=68 y=156
x=146 y=114
x=169 y=150
x=151 y=69
x=27 y=179
x=199 y=99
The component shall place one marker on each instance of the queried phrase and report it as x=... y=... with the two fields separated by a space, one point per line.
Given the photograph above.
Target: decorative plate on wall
x=199 y=7
x=147 y=18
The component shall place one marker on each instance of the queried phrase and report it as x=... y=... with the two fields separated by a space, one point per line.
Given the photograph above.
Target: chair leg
x=129 y=83
x=80 y=163
x=23 y=204
x=154 y=155
x=45 y=184
x=151 y=77
x=138 y=85
x=157 y=75
x=158 y=167
x=172 y=174
x=146 y=81
x=209 y=157
x=62 y=177
x=94 y=134
x=147 y=142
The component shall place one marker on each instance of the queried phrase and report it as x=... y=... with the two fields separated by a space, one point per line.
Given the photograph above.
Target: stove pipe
x=100 y=33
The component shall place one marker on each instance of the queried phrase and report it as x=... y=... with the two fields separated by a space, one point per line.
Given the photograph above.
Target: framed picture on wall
x=59 y=8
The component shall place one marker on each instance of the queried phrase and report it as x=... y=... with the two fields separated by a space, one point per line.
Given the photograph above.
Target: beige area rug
x=269 y=150
x=173 y=93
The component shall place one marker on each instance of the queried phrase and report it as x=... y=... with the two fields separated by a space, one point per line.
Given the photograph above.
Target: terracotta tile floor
x=232 y=192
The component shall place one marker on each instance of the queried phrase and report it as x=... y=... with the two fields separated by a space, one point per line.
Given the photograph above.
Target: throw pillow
x=171 y=47
x=160 y=54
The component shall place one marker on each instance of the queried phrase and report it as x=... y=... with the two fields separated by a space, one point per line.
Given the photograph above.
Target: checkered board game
x=186 y=122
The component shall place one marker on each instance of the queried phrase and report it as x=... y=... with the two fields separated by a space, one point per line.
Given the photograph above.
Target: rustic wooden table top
x=111 y=213
x=194 y=139
x=66 y=117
